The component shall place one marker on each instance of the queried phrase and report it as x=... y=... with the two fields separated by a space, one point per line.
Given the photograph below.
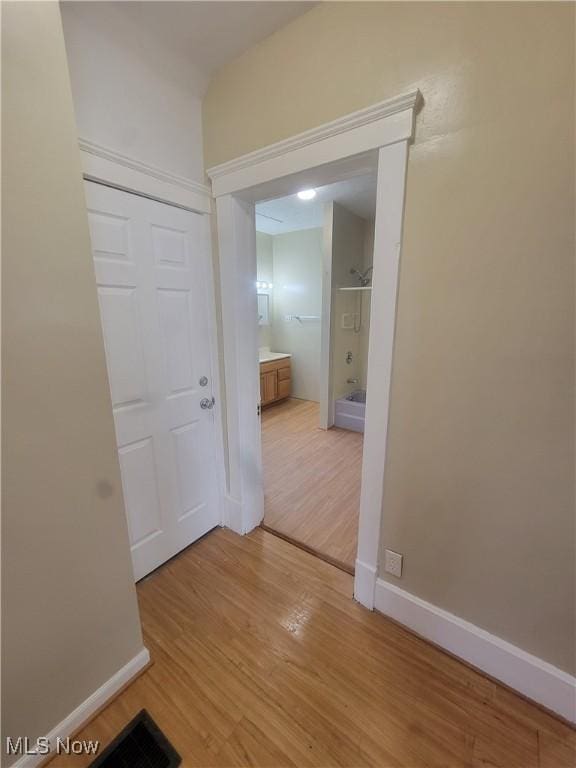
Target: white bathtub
x=349 y=411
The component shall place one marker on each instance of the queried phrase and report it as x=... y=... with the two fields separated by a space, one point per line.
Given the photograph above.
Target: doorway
x=314 y=254
x=375 y=137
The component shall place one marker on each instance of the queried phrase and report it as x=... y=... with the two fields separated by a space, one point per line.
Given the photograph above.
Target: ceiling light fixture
x=307 y=194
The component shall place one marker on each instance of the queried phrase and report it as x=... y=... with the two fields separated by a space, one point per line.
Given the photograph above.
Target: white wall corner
x=536 y=679
x=89 y=707
x=365 y=584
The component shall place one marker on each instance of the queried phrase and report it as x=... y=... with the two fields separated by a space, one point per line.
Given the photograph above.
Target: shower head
x=363 y=277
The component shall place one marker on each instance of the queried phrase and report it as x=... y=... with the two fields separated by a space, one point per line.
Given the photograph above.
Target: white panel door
x=154 y=289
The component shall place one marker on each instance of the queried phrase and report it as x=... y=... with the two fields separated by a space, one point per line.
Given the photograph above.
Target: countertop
x=267 y=357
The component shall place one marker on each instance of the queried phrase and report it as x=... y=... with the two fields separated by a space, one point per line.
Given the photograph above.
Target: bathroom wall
x=298 y=291
x=265 y=273
x=296 y=273
x=368 y=254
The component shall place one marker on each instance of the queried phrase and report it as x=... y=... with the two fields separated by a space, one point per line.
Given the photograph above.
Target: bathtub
x=349 y=411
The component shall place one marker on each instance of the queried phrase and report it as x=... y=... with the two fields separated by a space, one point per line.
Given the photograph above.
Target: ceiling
x=208 y=34
x=287 y=214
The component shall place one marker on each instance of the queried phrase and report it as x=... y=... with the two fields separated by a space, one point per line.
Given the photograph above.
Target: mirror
x=263 y=309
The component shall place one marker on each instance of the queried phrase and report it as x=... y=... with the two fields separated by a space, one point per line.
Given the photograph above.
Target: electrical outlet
x=393 y=563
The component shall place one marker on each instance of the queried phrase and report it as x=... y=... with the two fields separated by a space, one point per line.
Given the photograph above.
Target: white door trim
x=390 y=193
x=244 y=495
x=367 y=129
x=343 y=147
x=106 y=166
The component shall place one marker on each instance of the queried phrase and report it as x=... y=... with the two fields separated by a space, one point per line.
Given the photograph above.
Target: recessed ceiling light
x=307 y=194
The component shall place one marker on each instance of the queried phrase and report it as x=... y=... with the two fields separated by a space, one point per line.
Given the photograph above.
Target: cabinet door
x=284 y=387
x=262 y=390
x=269 y=386
x=284 y=373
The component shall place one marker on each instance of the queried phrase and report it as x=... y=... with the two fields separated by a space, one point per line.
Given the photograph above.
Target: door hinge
x=258 y=410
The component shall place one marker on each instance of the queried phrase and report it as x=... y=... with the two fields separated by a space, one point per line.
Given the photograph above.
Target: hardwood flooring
x=263 y=659
x=311 y=480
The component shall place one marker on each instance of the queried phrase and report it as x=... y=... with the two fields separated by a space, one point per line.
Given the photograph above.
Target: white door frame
x=345 y=147
x=108 y=167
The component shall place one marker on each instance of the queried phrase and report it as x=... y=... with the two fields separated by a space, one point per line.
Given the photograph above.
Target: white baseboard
x=364 y=583
x=534 y=678
x=89 y=707
x=239 y=516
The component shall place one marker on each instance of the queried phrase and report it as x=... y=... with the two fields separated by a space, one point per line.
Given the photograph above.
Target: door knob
x=207 y=403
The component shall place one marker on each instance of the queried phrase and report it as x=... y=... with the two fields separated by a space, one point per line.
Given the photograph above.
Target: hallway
x=311 y=480
x=261 y=658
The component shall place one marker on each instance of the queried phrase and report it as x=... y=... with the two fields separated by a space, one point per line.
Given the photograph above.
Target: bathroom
x=313 y=283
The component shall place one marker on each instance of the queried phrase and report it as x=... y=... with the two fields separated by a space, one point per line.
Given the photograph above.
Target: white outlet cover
x=393 y=563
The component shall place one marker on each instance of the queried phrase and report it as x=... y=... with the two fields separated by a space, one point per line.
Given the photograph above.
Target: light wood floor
x=311 y=479
x=263 y=659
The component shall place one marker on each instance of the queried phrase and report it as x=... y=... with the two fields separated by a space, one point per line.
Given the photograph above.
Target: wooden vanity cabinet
x=275 y=380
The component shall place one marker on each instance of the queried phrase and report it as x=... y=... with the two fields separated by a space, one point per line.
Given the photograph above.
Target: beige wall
x=479 y=493
x=70 y=617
